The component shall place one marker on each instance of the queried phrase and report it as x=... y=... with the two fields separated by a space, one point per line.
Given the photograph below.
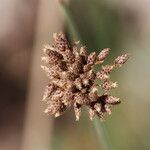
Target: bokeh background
x=25 y=26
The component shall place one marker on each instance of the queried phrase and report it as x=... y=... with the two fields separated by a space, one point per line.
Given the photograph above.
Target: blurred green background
x=122 y=26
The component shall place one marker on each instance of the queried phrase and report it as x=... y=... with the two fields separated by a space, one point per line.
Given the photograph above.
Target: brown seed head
x=72 y=79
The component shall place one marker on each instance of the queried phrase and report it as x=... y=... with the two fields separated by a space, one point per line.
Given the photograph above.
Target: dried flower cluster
x=72 y=79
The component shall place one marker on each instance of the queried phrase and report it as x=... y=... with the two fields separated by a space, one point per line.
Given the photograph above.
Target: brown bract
x=70 y=70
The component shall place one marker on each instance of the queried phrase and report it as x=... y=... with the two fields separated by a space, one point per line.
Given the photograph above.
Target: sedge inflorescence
x=71 y=74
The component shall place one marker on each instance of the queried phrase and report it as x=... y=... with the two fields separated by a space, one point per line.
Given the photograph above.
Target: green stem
x=102 y=135
x=70 y=21
x=99 y=127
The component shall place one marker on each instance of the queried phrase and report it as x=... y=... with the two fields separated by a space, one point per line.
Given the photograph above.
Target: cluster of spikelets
x=72 y=79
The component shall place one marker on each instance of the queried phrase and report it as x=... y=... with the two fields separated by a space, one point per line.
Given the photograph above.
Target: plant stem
x=100 y=128
x=102 y=135
x=70 y=21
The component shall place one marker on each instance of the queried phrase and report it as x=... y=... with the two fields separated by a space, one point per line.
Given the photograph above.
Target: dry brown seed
x=91 y=75
x=48 y=91
x=53 y=107
x=85 y=81
x=68 y=98
x=120 y=60
x=91 y=58
x=69 y=56
x=77 y=110
x=83 y=51
x=108 y=85
x=77 y=68
x=108 y=68
x=50 y=72
x=103 y=54
x=107 y=109
x=54 y=55
x=97 y=107
x=87 y=68
x=93 y=96
x=61 y=42
x=92 y=113
x=80 y=98
x=112 y=100
x=102 y=75
x=78 y=83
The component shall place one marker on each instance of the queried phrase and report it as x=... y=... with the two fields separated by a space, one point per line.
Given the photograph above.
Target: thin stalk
x=100 y=128
x=102 y=135
x=70 y=20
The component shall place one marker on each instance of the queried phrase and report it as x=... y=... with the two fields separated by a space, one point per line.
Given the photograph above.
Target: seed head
x=72 y=79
